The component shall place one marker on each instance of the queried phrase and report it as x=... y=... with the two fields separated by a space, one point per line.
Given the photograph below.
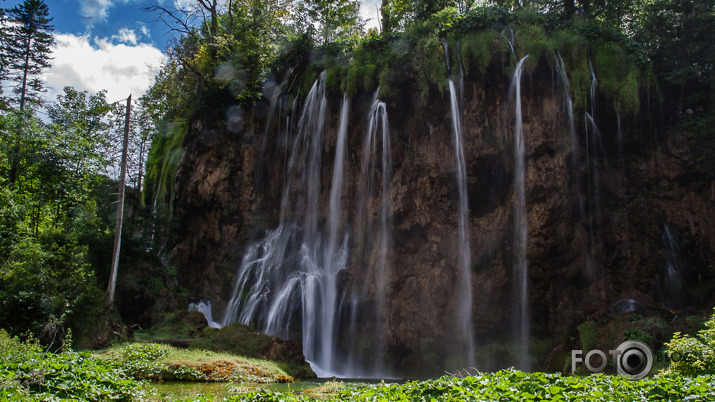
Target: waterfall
x=594 y=87
x=461 y=77
x=464 y=251
x=576 y=156
x=520 y=222
x=287 y=282
x=446 y=54
x=511 y=43
x=566 y=88
x=673 y=275
x=292 y=272
x=204 y=307
x=375 y=251
x=593 y=153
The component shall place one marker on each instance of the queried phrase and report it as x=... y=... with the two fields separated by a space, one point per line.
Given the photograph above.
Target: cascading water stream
x=292 y=272
x=446 y=54
x=575 y=156
x=673 y=278
x=464 y=250
x=375 y=251
x=520 y=222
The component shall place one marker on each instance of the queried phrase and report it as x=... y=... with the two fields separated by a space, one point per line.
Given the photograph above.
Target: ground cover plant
x=27 y=372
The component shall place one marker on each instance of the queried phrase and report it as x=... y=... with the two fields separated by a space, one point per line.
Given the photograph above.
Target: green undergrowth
x=692 y=355
x=28 y=372
x=510 y=385
x=121 y=373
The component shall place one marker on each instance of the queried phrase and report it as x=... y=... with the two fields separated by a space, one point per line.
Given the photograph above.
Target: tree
x=28 y=48
x=81 y=128
x=3 y=57
x=679 y=38
x=336 y=19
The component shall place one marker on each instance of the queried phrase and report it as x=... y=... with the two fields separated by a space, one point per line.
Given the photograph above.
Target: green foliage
x=163 y=162
x=510 y=385
x=26 y=48
x=360 y=78
x=693 y=355
x=142 y=360
x=588 y=335
x=335 y=19
x=27 y=373
x=46 y=279
x=574 y=50
x=700 y=131
x=428 y=61
x=678 y=39
x=617 y=77
x=477 y=49
x=532 y=40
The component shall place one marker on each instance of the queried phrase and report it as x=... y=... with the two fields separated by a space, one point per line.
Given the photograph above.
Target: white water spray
x=520 y=222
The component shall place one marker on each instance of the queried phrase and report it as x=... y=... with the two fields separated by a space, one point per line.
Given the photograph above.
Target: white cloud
x=144 y=29
x=126 y=35
x=102 y=64
x=94 y=11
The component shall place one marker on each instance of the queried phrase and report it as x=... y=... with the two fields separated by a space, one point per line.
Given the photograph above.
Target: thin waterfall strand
x=464 y=250
x=520 y=221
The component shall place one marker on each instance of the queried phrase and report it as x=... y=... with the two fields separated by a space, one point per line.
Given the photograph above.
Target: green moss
x=588 y=335
x=386 y=81
x=532 y=40
x=180 y=324
x=617 y=76
x=333 y=78
x=163 y=162
x=242 y=340
x=477 y=49
x=369 y=83
x=352 y=83
x=429 y=63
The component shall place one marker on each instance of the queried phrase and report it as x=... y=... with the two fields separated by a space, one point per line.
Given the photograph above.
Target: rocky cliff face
x=601 y=228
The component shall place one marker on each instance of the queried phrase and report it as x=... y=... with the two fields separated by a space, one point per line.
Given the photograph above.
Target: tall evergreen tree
x=3 y=57
x=28 y=48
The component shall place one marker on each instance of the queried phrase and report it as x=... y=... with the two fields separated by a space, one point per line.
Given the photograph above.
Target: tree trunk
x=24 y=72
x=120 y=212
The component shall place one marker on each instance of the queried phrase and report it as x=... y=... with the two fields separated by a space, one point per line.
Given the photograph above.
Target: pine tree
x=27 y=48
x=3 y=58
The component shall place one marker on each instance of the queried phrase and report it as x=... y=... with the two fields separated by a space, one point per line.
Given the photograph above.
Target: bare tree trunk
x=24 y=72
x=120 y=212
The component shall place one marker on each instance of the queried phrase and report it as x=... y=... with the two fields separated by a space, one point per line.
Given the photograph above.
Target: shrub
x=693 y=355
x=26 y=373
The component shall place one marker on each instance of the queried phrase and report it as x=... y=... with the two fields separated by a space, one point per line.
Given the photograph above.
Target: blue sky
x=112 y=45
